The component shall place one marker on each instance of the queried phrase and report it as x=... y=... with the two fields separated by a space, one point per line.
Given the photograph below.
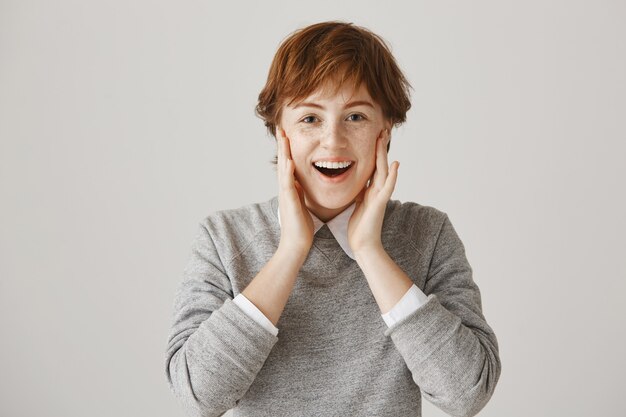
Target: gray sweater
x=334 y=356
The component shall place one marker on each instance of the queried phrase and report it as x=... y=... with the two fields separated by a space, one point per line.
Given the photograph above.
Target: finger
x=281 y=146
x=278 y=145
x=300 y=192
x=380 y=175
x=287 y=145
x=390 y=183
x=281 y=156
x=286 y=165
x=291 y=188
x=370 y=180
x=289 y=160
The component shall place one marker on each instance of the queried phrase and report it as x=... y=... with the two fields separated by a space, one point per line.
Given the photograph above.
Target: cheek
x=306 y=131
x=368 y=150
x=369 y=156
x=299 y=153
x=360 y=129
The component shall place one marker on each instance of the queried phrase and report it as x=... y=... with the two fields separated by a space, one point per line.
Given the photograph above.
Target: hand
x=296 y=231
x=366 y=222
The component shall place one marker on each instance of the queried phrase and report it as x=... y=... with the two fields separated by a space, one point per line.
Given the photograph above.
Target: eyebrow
x=350 y=104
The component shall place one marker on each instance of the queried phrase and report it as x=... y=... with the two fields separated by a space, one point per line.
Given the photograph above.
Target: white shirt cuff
x=254 y=313
x=410 y=302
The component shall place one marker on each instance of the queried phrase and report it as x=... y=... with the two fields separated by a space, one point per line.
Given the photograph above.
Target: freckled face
x=322 y=126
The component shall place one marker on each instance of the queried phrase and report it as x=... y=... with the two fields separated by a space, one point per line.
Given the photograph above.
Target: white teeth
x=333 y=165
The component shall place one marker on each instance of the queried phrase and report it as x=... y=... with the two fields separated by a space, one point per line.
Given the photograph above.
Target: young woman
x=331 y=299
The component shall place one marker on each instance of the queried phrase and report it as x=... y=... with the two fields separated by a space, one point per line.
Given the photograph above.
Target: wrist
x=293 y=253
x=368 y=251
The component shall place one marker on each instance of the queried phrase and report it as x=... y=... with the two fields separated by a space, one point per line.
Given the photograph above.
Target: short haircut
x=338 y=52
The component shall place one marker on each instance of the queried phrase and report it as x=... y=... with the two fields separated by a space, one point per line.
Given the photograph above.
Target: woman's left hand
x=366 y=222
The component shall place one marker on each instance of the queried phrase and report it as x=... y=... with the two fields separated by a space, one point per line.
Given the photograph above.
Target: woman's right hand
x=296 y=224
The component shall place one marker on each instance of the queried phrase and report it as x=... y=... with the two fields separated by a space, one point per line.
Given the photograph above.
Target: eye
x=308 y=118
x=359 y=117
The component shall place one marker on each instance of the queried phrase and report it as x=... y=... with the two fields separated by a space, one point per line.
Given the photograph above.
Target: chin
x=332 y=202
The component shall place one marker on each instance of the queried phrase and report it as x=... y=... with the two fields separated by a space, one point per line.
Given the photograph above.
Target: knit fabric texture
x=334 y=355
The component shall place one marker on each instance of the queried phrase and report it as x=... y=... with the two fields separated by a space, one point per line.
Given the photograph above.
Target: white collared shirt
x=413 y=299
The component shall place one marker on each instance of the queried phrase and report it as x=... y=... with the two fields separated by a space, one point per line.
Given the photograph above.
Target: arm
x=448 y=346
x=269 y=291
x=214 y=350
x=264 y=299
x=252 y=311
x=411 y=301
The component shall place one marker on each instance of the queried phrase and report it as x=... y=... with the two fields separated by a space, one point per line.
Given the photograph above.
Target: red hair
x=333 y=51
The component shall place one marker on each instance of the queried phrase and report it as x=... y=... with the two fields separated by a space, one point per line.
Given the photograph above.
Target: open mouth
x=333 y=172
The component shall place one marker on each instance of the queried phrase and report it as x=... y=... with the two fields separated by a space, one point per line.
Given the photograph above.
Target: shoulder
x=233 y=229
x=409 y=216
x=418 y=223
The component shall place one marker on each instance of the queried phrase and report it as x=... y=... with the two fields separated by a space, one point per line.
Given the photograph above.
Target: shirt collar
x=338 y=225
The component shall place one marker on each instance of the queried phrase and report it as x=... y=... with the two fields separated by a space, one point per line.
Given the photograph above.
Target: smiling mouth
x=331 y=172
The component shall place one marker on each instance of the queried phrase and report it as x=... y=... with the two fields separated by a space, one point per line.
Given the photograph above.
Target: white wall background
x=123 y=123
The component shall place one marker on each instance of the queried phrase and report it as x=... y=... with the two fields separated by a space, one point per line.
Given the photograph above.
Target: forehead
x=333 y=93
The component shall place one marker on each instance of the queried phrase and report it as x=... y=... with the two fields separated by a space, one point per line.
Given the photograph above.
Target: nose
x=334 y=137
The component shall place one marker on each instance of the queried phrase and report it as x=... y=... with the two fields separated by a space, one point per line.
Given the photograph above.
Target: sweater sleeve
x=450 y=350
x=214 y=350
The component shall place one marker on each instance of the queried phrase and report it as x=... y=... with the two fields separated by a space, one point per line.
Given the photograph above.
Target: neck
x=325 y=214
